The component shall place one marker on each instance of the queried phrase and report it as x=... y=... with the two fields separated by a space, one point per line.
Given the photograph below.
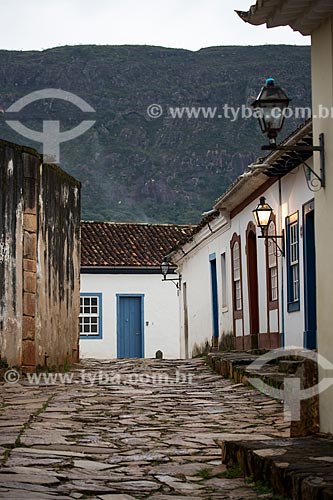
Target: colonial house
x=314 y=18
x=39 y=261
x=261 y=293
x=127 y=310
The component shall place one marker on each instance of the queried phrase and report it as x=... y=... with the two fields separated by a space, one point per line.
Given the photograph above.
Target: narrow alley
x=129 y=429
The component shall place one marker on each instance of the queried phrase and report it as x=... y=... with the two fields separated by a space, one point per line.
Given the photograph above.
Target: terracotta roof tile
x=129 y=244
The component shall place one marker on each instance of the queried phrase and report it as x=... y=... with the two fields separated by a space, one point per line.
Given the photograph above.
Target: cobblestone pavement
x=129 y=429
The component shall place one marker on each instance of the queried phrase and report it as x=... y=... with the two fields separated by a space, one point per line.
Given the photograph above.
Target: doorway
x=130 y=329
x=252 y=275
x=185 y=319
x=215 y=306
x=310 y=295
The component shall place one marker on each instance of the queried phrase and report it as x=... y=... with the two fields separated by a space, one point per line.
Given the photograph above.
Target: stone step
x=234 y=365
x=287 y=366
x=237 y=365
x=297 y=469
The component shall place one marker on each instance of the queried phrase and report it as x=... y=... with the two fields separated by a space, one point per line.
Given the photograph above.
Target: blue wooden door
x=215 y=306
x=130 y=326
x=310 y=298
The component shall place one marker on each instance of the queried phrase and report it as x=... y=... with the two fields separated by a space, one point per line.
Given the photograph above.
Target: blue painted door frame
x=130 y=325
x=310 y=296
x=215 y=305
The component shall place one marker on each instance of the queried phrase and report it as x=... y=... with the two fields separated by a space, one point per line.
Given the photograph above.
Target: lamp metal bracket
x=305 y=149
x=274 y=238
x=176 y=281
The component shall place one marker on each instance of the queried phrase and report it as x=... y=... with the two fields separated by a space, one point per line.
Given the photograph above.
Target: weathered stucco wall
x=11 y=240
x=39 y=260
x=58 y=269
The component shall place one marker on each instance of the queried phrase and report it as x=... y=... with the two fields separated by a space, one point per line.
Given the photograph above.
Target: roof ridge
x=138 y=223
x=128 y=244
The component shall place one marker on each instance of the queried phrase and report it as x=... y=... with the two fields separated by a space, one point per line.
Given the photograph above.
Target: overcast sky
x=188 y=24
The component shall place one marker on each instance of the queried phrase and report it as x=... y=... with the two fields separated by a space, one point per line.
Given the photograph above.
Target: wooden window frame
x=98 y=315
x=293 y=221
x=272 y=304
x=237 y=313
x=224 y=286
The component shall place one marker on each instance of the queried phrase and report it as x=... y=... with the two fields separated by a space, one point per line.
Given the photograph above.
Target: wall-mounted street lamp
x=165 y=267
x=269 y=108
x=263 y=217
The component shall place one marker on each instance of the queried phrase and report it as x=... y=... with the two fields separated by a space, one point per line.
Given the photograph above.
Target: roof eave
x=304 y=17
x=254 y=179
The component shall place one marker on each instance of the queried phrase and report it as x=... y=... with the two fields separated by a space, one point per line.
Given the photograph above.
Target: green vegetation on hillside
x=135 y=168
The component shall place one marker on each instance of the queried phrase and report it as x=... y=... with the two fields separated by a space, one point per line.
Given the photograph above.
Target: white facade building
x=233 y=283
x=126 y=309
x=315 y=18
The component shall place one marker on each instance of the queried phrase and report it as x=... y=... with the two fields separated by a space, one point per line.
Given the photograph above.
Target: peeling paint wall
x=11 y=253
x=58 y=267
x=39 y=261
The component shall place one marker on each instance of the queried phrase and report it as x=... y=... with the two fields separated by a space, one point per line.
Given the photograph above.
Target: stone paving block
x=131 y=440
x=173 y=497
x=91 y=465
x=136 y=486
x=29 y=495
x=116 y=497
x=27 y=478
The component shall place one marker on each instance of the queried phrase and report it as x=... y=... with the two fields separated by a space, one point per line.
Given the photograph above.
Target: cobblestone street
x=129 y=429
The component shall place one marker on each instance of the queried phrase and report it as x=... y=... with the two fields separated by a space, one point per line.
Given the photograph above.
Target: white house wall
x=195 y=269
x=161 y=319
x=295 y=194
x=322 y=96
x=196 y=273
x=196 y=279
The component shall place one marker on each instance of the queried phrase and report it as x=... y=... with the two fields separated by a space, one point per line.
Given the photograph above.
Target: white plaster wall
x=196 y=274
x=295 y=193
x=322 y=95
x=161 y=316
x=195 y=269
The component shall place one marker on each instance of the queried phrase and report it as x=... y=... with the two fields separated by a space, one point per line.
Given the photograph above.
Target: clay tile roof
x=129 y=244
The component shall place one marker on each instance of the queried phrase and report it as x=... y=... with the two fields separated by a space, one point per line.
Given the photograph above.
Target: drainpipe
x=282 y=272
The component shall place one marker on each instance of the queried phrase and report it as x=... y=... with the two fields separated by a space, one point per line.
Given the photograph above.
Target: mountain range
x=136 y=167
